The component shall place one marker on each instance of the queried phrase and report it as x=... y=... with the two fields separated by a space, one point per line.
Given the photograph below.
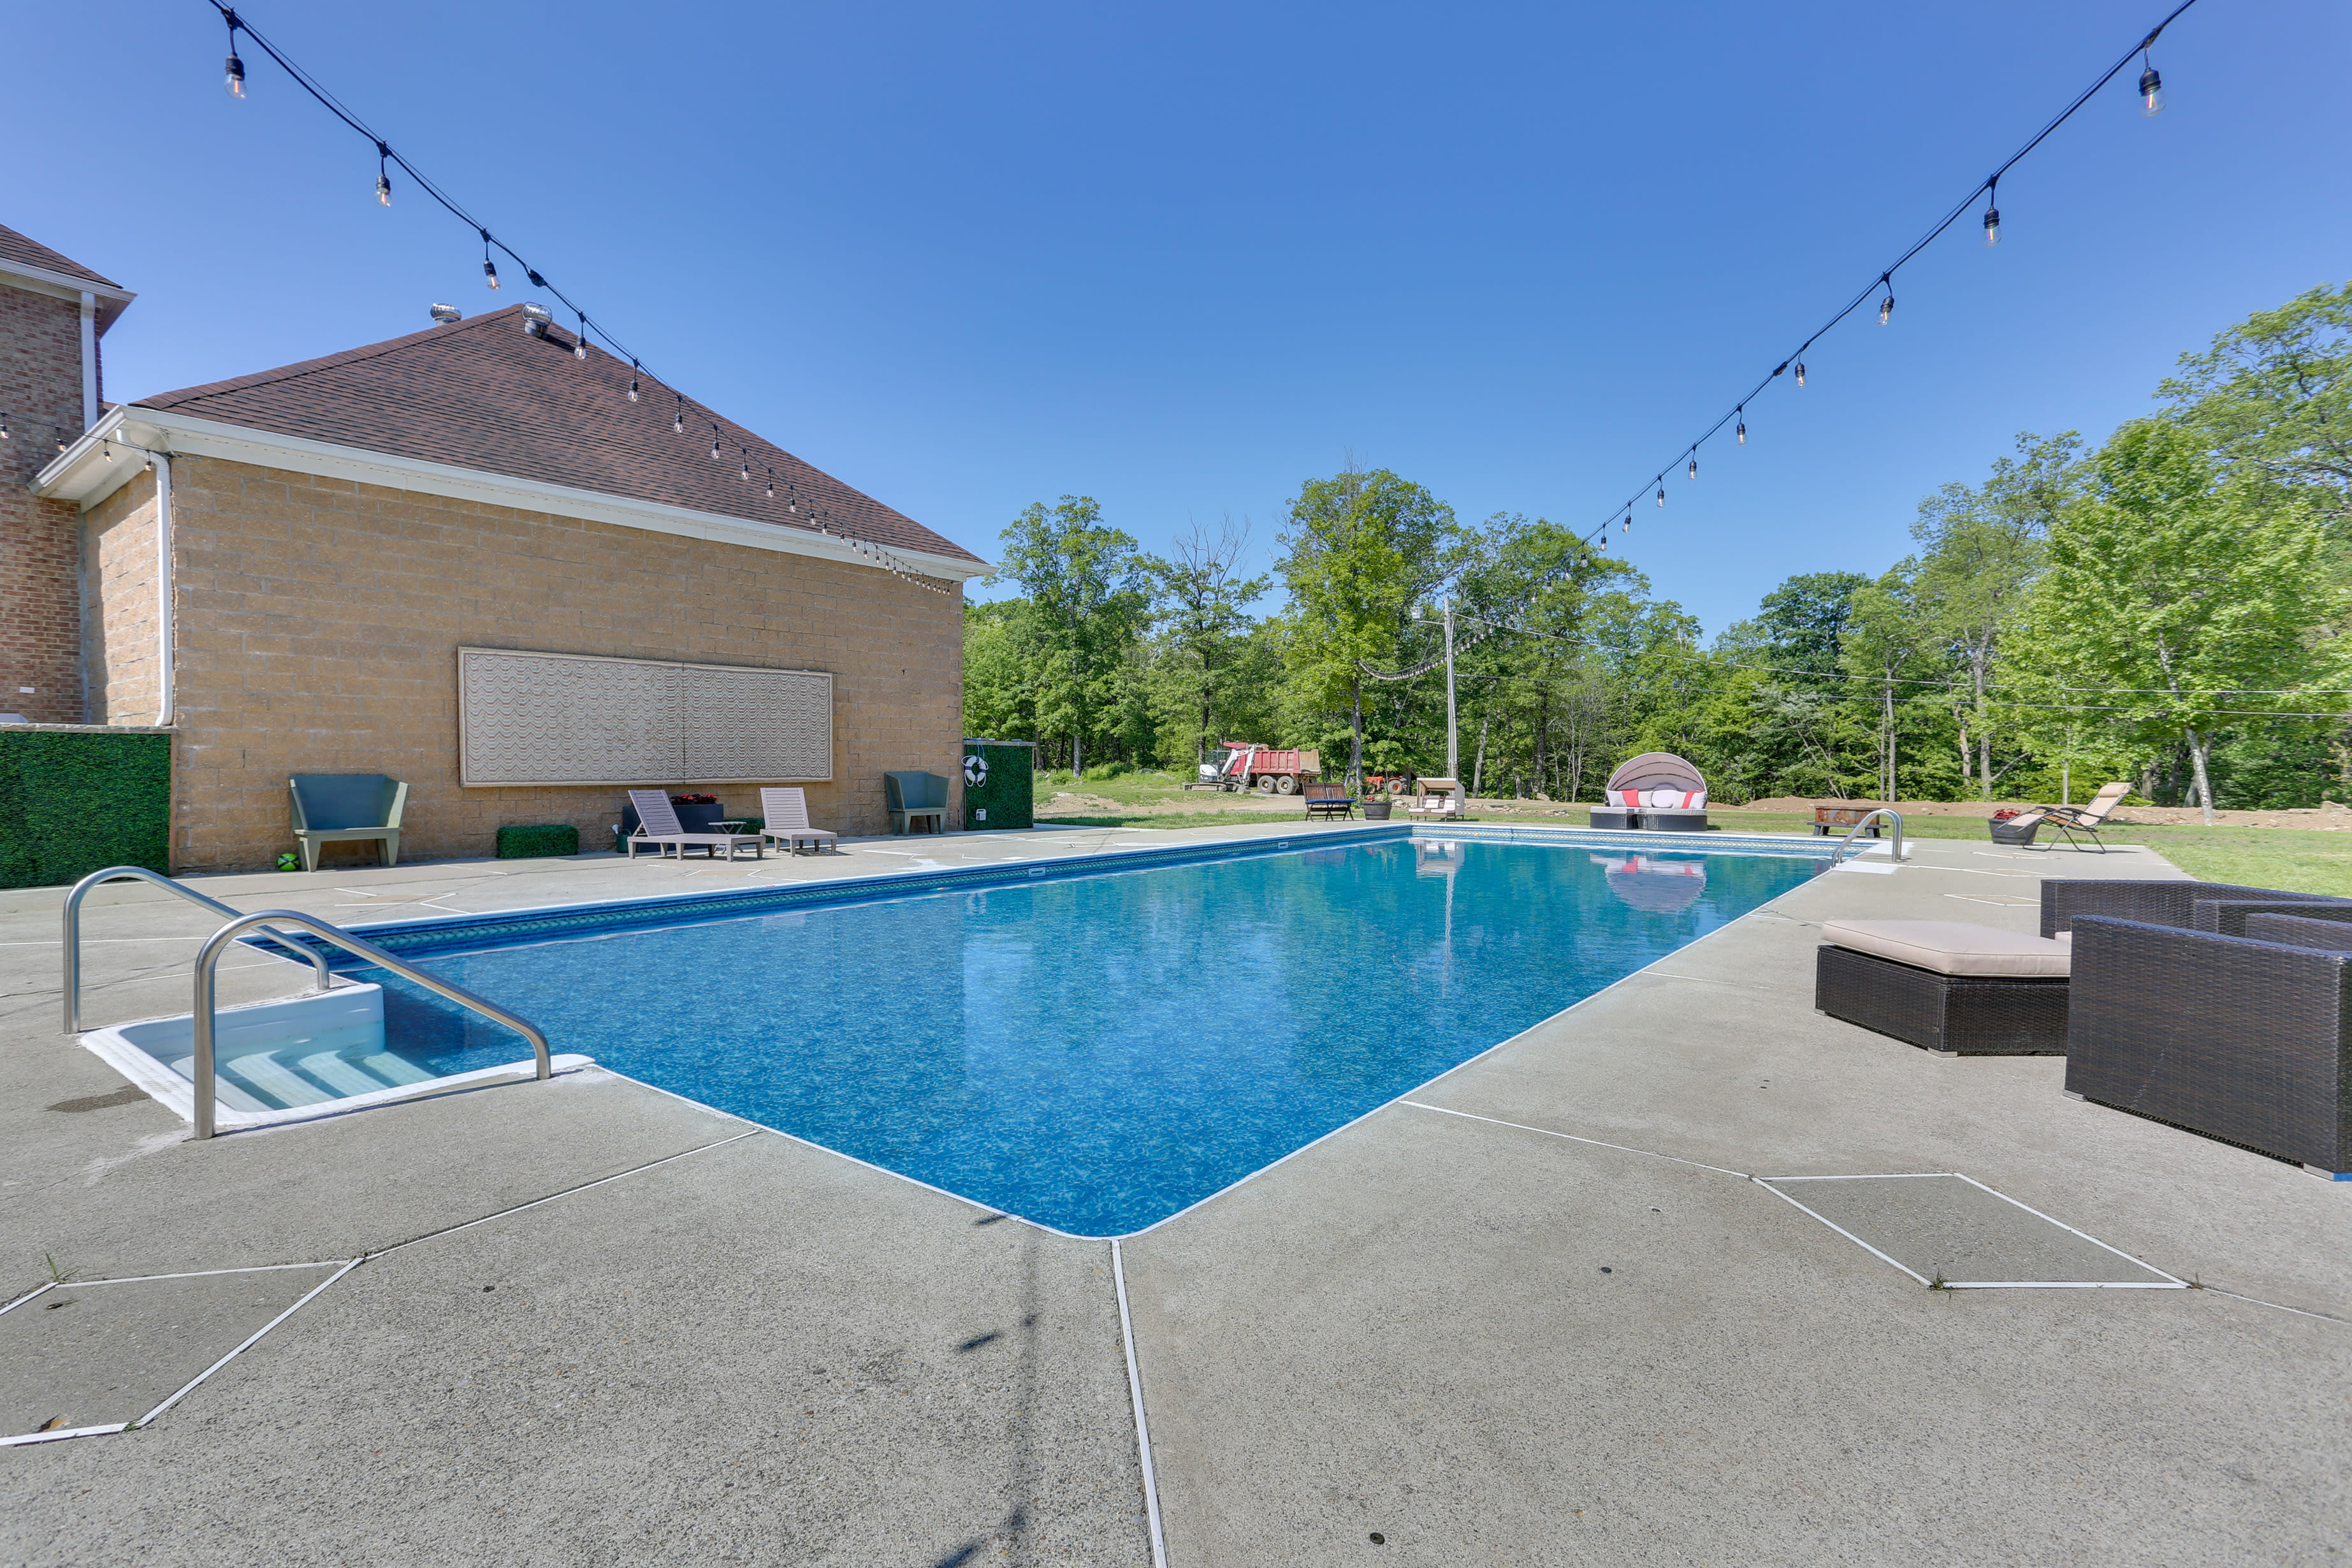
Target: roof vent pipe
x=448 y=315
x=536 y=319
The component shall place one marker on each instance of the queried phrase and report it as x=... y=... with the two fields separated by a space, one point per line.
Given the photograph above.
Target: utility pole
x=1452 y=736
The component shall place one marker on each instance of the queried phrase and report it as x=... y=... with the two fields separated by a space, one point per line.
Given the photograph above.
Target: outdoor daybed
x=1657 y=791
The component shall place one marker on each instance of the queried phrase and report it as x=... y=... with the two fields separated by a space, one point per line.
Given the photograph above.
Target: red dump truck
x=1241 y=764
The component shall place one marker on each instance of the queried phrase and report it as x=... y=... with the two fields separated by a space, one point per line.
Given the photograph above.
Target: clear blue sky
x=1181 y=259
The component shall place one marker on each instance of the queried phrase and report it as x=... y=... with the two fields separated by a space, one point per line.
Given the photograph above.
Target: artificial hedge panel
x=537 y=842
x=74 y=802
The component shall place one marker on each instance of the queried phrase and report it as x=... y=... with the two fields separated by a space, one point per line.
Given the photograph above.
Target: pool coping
x=425 y=934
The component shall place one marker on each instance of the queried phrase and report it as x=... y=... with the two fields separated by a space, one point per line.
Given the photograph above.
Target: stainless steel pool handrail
x=209 y=959
x=140 y=873
x=1868 y=817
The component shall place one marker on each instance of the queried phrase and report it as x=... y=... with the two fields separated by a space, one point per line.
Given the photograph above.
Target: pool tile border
x=449 y=933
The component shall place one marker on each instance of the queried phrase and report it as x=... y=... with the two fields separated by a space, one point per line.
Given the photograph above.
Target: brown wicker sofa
x=2229 y=1016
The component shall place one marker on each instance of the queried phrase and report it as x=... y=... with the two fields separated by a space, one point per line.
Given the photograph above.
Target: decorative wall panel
x=571 y=718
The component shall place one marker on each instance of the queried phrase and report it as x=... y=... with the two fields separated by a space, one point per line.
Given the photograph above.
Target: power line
x=2150 y=94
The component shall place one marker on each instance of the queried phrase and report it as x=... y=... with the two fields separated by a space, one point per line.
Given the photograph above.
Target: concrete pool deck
x=1536 y=1313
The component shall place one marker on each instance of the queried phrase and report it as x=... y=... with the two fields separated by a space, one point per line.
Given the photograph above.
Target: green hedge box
x=996 y=784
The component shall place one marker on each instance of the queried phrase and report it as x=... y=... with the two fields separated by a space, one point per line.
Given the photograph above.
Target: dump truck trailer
x=1240 y=765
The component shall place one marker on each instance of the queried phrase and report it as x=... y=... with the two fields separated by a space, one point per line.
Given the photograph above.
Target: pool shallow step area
x=279 y=1059
x=1092 y=1045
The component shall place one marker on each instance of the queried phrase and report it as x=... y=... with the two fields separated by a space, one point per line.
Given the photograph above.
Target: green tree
x=1884 y=646
x=1200 y=603
x=2273 y=396
x=1083 y=582
x=2188 y=595
x=1361 y=552
x=999 y=696
x=1982 y=548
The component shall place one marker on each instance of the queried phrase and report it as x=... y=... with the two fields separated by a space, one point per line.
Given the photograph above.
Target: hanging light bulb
x=580 y=342
x=678 y=420
x=382 y=175
x=633 y=381
x=1662 y=495
x=772 y=484
x=714 y=443
x=1740 y=430
x=236 y=78
x=1886 y=306
x=490 y=267
x=1801 y=373
x=3 y=426
x=1992 y=211
x=746 y=475
x=1601 y=543
x=2151 y=87
x=1693 y=467
x=1628 y=527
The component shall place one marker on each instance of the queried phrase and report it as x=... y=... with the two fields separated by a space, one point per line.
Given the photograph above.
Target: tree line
x=2164 y=608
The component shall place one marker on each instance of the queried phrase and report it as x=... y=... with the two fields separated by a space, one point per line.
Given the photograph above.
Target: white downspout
x=88 y=359
x=164 y=684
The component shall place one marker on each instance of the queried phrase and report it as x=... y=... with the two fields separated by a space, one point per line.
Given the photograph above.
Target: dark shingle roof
x=484 y=394
x=25 y=252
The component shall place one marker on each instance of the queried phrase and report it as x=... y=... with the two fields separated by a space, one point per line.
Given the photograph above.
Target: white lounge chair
x=657 y=825
x=1435 y=797
x=785 y=808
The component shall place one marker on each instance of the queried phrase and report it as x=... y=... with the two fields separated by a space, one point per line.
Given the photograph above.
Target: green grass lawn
x=2292 y=858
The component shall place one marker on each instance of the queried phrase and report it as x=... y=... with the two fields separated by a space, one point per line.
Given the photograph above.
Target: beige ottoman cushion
x=1953 y=947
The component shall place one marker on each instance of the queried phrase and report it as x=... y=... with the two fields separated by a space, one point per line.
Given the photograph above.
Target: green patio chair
x=910 y=795
x=335 y=808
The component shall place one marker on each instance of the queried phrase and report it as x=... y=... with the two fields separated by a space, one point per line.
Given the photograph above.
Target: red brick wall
x=40 y=592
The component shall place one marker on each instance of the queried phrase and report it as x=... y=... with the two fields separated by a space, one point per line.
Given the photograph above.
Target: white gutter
x=163 y=682
x=88 y=359
x=81 y=474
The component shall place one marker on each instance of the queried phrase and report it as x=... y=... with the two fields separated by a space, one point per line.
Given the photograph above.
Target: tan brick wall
x=119 y=650
x=41 y=590
x=318 y=623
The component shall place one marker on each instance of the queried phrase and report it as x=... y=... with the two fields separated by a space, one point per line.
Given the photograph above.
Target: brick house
x=471 y=559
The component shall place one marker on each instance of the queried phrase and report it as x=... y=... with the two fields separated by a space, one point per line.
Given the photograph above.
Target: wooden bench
x=1328 y=800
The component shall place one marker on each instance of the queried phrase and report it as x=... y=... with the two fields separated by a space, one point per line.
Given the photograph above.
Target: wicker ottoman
x=1615 y=817
x=1956 y=989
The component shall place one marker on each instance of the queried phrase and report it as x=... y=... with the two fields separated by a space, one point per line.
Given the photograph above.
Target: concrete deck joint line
x=1596 y=1142
x=1142 y=1426
x=601 y=1181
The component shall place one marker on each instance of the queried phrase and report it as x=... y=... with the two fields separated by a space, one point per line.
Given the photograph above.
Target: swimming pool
x=1090 y=1046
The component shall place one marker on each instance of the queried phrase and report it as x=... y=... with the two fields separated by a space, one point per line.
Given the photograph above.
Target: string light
x=677 y=420
x=772 y=484
x=1629 y=522
x=236 y=79
x=4 y=427
x=382 y=175
x=1693 y=467
x=490 y=267
x=633 y=381
x=714 y=443
x=746 y=475
x=580 y=342
x=1882 y=289
x=1662 y=495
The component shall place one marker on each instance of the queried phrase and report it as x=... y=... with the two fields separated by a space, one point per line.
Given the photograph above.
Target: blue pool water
x=1096 y=1052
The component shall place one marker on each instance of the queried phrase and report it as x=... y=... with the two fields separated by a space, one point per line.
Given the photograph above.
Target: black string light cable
x=389 y=158
x=2152 y=98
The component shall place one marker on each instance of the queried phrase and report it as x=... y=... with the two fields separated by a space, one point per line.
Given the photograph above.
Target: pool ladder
x=1868 y=817
x=208 y=961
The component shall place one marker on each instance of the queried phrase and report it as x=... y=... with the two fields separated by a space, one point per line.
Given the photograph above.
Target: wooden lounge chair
x=657 y=825
x=2068 y=819
x=915 y=796
x=1328 y=800
x=785 y=810
x=341 y=808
